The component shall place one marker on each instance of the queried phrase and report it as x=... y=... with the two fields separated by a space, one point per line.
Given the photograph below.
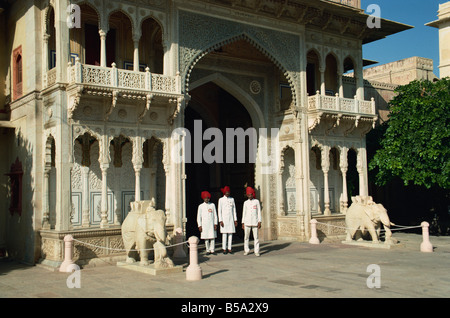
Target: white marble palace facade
x=88 y=113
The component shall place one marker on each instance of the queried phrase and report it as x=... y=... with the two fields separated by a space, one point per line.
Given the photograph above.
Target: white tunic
x=251 y=213
x=207 y=218
x=227 y=214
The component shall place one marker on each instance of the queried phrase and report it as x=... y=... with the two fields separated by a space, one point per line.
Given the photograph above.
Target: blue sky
x=420 y=41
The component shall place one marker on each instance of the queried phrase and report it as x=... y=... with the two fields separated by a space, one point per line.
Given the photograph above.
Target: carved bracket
x=75 y=102
x=315 y=122
x=180 y=102
x=115 y=96
x=334 y=123
x=148 y=102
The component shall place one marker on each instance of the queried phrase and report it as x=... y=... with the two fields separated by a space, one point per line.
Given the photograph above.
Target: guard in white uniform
x=227 y=219
x=207 y=222
x=251 y=220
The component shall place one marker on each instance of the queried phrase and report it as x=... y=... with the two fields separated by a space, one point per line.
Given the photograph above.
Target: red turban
x=250 y=190
x=225 y=189
x=206 y=194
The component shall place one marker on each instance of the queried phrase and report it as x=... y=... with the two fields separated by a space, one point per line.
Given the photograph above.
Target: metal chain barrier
x=402 y=227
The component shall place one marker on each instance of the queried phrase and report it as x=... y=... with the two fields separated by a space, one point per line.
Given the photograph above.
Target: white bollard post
x=193 y=272
x=314 y=239
x=426 y=245
x=179 y=250
x=68 y=266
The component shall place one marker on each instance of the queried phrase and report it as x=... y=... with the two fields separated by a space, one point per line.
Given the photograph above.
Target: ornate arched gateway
x=260 y=69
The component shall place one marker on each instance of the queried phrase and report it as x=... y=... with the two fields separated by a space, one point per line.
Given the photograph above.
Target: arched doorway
x=213 y=107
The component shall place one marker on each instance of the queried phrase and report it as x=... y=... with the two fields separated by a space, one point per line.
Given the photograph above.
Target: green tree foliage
x=416 y=143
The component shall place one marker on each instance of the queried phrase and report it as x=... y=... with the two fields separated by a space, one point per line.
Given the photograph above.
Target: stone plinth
x=369 y=244
x=150 y=269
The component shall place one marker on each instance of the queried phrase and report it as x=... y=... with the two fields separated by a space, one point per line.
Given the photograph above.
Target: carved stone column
x=85 y=194
x=340 y=84
x=359 y=168
x=281 y=191
x=166 y=58
x=137 y=174
x=359 y=80
x=104 y=203
x=104 y=160
x=168 y=190
x=46 y=201
x=138 y=160
x=344 y=168
x=102 y=47
x=136 y=38
x=362 y=170
x=45 y=56
x=322 y=80
x=325 y=169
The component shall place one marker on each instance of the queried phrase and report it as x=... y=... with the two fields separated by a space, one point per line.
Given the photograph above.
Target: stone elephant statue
x=364 y=214
x=144 y=228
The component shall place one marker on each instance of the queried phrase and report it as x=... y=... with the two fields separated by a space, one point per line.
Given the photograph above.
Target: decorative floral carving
x=255 y=87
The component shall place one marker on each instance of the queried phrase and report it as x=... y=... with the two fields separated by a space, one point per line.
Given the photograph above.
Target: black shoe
x=224 y=252
x=230 y=252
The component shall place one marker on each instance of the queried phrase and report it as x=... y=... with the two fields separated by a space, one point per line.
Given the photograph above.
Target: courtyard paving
x=285 y=270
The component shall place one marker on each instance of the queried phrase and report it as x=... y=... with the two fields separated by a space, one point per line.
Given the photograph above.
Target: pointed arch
x=331 y=74
x=243 y=36
x=94 y=9
x=243 y=97
x=49 y=155
x=151 y=44
x=125 y=13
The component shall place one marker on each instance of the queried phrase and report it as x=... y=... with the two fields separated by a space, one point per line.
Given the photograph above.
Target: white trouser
x=210 y=243
x=254 y=229
x=227 y=238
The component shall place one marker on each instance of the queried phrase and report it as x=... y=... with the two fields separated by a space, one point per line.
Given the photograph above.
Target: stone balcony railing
x=50 y=77
x=112 y=77
x=338 y=104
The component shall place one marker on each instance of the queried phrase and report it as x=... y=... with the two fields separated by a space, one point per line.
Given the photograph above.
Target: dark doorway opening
x=217 y=108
